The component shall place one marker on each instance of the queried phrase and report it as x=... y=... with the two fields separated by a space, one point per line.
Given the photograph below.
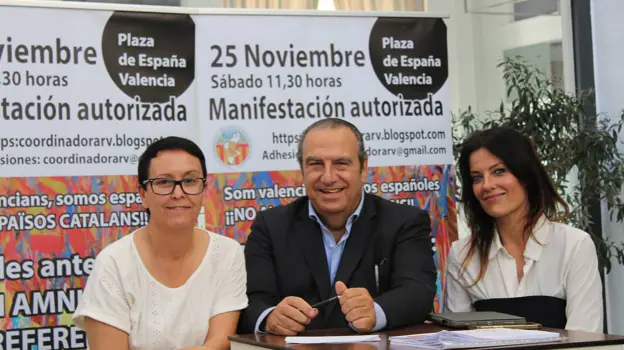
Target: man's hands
x=293 y=314
x=290 y=316
x=358 y=307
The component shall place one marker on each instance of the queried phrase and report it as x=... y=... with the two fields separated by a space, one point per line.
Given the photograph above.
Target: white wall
x=461 y=41
x=607 y=28
x=477 y=43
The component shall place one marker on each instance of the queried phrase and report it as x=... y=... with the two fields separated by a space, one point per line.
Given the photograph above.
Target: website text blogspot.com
x=121 y=141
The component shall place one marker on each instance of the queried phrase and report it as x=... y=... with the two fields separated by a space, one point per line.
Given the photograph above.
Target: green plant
x=572 y=144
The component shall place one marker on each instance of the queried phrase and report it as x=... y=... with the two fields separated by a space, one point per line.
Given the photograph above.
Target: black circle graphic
x=150 y=56
x=409 y=55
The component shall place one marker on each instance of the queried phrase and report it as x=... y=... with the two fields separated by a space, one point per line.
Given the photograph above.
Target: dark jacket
x=285 y=256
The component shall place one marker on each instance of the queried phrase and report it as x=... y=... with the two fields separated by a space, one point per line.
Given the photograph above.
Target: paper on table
x=333 y=340
x=475 y=338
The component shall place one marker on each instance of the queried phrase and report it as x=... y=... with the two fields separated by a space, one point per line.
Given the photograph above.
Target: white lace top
x=121 y=292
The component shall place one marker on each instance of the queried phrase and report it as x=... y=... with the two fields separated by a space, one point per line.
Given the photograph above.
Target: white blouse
x=564 y=266
x=122 y=293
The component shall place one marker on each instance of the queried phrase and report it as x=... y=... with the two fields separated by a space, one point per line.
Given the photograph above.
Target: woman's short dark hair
x=168 y=144
x=520 y=157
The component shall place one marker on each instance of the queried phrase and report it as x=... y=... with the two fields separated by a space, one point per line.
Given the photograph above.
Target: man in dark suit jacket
x=373 y=253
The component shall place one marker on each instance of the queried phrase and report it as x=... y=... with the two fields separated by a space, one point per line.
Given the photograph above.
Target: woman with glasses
x=519 y=259
x=168 y=285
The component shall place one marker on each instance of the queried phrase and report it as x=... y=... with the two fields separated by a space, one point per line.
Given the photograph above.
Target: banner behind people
x=260 y=88
x=83 y=91
x=81 y=95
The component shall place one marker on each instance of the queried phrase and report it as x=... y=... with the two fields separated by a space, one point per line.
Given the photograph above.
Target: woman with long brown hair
x=519 y=259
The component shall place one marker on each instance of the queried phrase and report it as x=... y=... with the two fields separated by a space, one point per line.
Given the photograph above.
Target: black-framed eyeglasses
x=164 y=186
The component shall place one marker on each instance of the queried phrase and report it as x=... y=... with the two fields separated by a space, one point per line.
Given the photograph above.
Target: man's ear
x=301 y=168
